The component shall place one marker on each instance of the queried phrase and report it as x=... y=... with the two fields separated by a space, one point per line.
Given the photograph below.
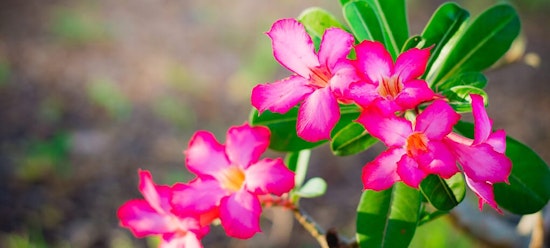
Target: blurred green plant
x=5 y=71
x=45 y=157
x=76 y=26
x=105 y=93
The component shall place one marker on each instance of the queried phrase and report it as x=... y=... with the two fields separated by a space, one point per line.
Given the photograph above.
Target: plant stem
x=311 y=226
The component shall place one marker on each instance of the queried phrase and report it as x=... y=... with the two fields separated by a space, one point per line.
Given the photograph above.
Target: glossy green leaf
x=393 y=20
x=474 y=79
x=482 y=43
x=414 y=41
x=316 y=21
x=444 y=194
x=447 y=22
x=314 y=187
x=388 y=218
x=343 y=2
x=363 y=21
x=283 y=130
x=298 y=162
x=529 y=188
x=351 y=139
x=459 y=97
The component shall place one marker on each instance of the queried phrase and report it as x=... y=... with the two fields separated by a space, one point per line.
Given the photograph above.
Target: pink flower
x=414 y=150
x=153 y=216
x=397 y=87
x=231 y=177
x=320 y=80
x=482 y=159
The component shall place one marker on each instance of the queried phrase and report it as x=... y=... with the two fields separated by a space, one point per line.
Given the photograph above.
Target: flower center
x=390 y=87
x=232 y=178
x=319 y=77
x=416 y=143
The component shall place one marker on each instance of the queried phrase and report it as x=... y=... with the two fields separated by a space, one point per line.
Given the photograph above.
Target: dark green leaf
x=529 y=188
x=283 y=130
x=482 y=43
x=316 y=21
x=393 y=20
x=388 y=218
x=444 y=194
x=415 y=41
x=343 y=2
x=351 y=139
x=298 y=162
x=475 y=79
x=459 y=97
x=447 y=22
x=363 y=21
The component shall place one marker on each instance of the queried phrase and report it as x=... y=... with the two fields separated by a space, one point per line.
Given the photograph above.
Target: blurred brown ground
x=90 y=91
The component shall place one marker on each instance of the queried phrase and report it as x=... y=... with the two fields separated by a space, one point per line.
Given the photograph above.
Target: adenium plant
x=352 y=86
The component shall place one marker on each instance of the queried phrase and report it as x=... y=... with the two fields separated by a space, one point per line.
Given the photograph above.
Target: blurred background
x=90 y=91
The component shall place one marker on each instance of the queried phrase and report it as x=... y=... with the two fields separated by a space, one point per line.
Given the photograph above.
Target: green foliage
x=393 y=20
x=363 y=21
x=77 y=26
x=388 y=218
x=45 y=158
x=314 y=187
x=316 y=21
x=459 y=97
x=444 y=194
x=105 y=93
x=351 y=139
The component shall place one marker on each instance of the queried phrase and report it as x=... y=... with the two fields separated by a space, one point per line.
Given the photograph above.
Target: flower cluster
x=398 y=107
x=230 y=179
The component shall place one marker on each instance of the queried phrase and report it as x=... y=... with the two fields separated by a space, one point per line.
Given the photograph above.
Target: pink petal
x=437 y=120
x=344 y=74
x=245 y=144
x=142 y=219
x=438 y=160
x=414 y=92
x=498 y=141
x=240 y=214
x=187 y=240
x=205 y=156
x=157 y=196
x=482 y=163
x=335 y=45
x=411 y=64
x=269 y=176
x=363 y=93
x=409 y=172
x=392 y=130
x=374 y=61
x=280 y=96
x=318 y=115
x=484 y=192
x=199 y=198
x=293 y=47
x=381 y=173
x=482 y=124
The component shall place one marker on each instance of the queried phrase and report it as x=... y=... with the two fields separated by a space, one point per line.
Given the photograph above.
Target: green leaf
x=314 y=187
x=283 y=130
x=529 y=188
x=447 y=22
x=298 y=162
x=351 y=139
x=363 y=21
x=388 y=218
x=481 y=44
x=415 y=41
x=316 y=21
x=393 y=20
x=459 y=97
x=343 y=2
x=444 y=194
x=475 y=79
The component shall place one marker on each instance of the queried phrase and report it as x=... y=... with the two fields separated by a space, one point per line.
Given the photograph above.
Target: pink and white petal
x=199 y=198
x=381 y=173
x=344 y=74
x=498 y=141
x=374 y=61
x=482 y=124
x=245 y=144
x=142 y=219
x=362 y=93
x=392 y=130
x=318 y=115
x=484 y=192
x=280 y=96
x=482 y=163
x=269 y=176
x=412 y=64
x=240 y=214
x=177 y=240
x=335 y=45
x=409 y=172
x=205 y=156
x=414 y=92
x=293 y=47
x=438 y=160
x=437 y=120
x=157 y=196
